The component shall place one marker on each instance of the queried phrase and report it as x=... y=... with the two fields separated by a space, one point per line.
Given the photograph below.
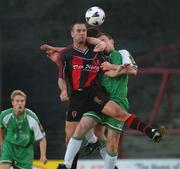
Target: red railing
x=166 y=76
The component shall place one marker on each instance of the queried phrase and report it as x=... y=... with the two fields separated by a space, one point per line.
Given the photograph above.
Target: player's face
x=79 y=33
x=109 y=42
x=19 y=103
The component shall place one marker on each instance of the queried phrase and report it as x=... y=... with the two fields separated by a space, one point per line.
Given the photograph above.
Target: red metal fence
x=167 y=74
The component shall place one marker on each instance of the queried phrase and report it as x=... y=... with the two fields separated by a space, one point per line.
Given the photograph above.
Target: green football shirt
x=117 y=87
x=22 y=130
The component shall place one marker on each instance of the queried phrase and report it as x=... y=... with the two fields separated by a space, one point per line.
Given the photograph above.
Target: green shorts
x=106 y=120
x=109 y=121
x=22 y=157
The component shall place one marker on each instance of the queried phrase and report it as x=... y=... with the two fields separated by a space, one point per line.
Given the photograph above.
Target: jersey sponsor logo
x=87 y=68
x=74 y=113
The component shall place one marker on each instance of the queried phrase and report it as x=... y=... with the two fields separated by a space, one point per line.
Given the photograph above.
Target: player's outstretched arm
x=43 y=146
x=112 y=70
x=51 y=49
x=106 y=66
x=99 y=45
x=130 y=69
x=52 y=52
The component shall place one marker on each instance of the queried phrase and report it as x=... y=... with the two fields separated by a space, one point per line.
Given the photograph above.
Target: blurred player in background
x=19 y=129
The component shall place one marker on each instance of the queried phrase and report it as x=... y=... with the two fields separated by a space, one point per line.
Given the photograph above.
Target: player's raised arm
x=112 y=70
x=99 y=45
x=51 y=49
x=52 y=52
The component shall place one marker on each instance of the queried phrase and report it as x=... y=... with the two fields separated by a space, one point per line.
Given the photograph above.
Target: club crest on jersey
x=96 y=62
x=74 y=113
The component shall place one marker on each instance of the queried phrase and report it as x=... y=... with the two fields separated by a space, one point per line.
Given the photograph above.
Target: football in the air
x=95 y=16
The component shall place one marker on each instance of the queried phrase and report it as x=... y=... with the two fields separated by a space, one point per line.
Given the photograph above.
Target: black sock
x=135 y=123
x=74 y=164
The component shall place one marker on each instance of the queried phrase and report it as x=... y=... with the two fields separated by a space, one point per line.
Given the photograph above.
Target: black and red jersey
x=80 y=68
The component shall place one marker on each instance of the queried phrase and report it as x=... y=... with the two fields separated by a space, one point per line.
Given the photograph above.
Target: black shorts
x=91 y=99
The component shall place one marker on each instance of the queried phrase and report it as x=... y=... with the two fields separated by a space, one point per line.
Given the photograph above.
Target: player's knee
x=67 y=140
x=99 y=132
x=69 y=134
x=121 y=114
x=81 y=129
x=100 y=135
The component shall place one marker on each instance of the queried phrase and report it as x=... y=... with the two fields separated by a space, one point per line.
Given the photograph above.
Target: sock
x=102 y=149
x=90 y=137
x=71 y=151
x=135 y=123
x=110 y=160
x=74 y=164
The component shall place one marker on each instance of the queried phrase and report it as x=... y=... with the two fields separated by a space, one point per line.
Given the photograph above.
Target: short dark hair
x=105 y=34
x=93 y=32
x=77 y=22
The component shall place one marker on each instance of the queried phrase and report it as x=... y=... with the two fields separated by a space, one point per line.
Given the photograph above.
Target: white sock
x=90 y=137
x=71 y=151
x=110 y=161
x=103 y=152
x=102 y=149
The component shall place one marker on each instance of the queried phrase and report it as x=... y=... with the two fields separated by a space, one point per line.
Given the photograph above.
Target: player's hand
x=43 y=159
x=64 y=96
x=106 y=66
x=46 y=47
x=54 y=57
x=51 y=52
x=126 y=64
x=100 y=47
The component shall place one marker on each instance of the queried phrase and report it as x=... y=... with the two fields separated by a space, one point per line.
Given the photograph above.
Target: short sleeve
x=35 y=126
x=38 y=131
x=127 y=57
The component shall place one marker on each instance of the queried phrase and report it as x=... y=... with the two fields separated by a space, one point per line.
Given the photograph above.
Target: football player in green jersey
x=19 y=129
x=117 y=87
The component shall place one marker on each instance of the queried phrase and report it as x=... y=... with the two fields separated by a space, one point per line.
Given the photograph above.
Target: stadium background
x=149 y=29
